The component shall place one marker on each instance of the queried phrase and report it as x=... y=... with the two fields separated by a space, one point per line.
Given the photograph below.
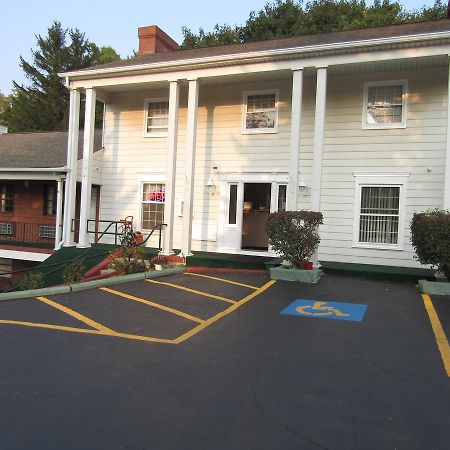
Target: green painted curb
x=299 y=275
x=35 y=293
x=21 y=295
x=125 y=279
x=434 y=287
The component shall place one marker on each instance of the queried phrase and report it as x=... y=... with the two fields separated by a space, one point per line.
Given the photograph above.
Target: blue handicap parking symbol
x=326 y=310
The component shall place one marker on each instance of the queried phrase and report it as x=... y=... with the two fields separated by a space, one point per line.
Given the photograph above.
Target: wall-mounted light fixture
x=302 y=187
x=27 y=184
x=211 y=187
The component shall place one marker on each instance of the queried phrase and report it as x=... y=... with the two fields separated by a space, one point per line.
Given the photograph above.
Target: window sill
x=162 y=134
x=383 y=126
x=378 y=246
x=260 y=131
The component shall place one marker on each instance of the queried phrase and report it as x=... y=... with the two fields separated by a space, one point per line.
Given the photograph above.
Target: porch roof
x=39 y=150
x=335 y=41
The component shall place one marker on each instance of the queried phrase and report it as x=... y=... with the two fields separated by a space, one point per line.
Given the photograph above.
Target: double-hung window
x=156 y=117
x=50 y=200
x=379 y=211
x=152 y=204
x=260 y=112
x=385 y=104
x=6 y=198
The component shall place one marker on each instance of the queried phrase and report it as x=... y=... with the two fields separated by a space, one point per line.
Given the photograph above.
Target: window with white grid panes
x=379 y=215
x=49 y=200
x=384 y=105
x=261 y=112
x=156 y=117
x=6 y=198
x=152 y=208
x=282 y=197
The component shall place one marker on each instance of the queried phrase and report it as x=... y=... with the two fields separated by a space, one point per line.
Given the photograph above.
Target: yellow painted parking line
x=135 y=337
x=439 y=333
x=153 y=304
x=193 y=291
x=249 y=286
x=76 y=315
x=224 y=313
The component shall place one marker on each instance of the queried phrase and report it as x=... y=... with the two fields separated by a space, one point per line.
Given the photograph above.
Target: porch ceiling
x=257 y=77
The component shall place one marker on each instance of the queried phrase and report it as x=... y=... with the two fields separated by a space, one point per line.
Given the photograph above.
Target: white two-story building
x=210 y=141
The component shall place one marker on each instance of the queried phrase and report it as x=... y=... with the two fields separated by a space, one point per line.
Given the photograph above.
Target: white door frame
x=225 y=230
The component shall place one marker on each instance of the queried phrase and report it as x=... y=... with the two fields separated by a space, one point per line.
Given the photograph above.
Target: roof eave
x=279 y=53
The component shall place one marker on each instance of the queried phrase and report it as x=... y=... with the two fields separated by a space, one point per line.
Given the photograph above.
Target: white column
x=72 y=157
x=59 y=198
x=319 y=126
x=296 y=113
x=447 y=153
x=190 y=166
x=86 y=177
x=174 y=99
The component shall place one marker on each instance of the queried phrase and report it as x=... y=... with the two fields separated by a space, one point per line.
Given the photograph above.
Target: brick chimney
x=153 y=40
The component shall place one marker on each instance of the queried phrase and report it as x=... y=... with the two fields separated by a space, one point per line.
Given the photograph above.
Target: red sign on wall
x=158 y=196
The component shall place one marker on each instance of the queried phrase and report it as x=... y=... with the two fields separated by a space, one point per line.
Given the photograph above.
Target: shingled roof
x=337 y=37
x=39 y=150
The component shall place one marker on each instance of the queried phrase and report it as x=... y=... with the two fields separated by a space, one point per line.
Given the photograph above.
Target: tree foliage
x=44 y=103
x=285 y=18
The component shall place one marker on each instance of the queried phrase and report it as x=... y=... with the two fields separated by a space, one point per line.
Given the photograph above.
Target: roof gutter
x=35 y=169
x=342 y=46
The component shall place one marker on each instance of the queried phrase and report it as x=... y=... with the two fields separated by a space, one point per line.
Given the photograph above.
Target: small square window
x=385 y=104
x=260 y=112
x=156 y=117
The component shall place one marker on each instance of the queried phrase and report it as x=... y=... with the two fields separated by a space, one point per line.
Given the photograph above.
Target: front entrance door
x=245 y=209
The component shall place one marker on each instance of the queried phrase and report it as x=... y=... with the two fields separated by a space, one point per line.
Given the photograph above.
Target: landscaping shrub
x=74 y=271
x=127 y=260
x=294 y=234
x=430 y=238
x=34 y=280
x=160 y=259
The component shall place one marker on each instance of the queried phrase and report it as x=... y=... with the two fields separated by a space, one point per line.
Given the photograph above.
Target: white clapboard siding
x=418 y=149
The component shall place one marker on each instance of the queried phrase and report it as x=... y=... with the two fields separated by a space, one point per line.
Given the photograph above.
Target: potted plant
x=158 y=262
x=430 y=238
x=294 y=235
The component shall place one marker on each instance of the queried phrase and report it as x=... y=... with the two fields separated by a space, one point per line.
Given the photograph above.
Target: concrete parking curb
x=90 y=284
x=434 y=287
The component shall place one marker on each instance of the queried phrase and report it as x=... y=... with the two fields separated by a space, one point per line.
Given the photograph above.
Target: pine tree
x=43 y=105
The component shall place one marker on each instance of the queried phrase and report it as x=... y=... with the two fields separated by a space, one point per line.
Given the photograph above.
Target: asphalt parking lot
x=194 y=362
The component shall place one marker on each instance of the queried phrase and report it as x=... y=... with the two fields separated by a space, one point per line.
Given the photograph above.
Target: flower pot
x=308 y=265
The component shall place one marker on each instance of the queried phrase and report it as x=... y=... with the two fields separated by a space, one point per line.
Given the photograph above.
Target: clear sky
x=112 y=22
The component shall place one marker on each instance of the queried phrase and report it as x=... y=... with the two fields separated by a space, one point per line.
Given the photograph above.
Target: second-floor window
x=156 y=117
x=6 y=198
x=260 y=112
x=385 y=104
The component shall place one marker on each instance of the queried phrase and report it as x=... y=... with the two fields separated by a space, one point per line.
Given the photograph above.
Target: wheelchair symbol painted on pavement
x=319 y=309
x=322 y=309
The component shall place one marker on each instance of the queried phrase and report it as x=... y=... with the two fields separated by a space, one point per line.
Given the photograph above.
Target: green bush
x=430 y=238
x=127 y=260
x=294 y=234
x=34 y=280
x=74 y=271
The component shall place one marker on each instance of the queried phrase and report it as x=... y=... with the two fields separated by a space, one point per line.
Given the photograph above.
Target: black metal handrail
x=122 y=230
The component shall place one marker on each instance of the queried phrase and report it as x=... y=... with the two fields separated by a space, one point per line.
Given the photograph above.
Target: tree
x=285 y=18
x=43 y=105
x=5 y=104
